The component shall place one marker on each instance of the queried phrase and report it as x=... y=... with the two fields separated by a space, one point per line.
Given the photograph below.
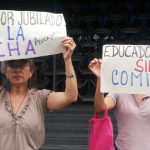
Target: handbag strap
x=105 y=113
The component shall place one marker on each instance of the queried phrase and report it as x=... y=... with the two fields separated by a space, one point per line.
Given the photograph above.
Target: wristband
x=70 y=75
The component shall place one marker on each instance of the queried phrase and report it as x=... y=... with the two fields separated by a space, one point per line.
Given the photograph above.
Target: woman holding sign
x=22 y=108
x=132 y=113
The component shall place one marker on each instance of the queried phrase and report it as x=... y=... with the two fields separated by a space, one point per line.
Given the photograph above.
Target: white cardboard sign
x=28 y=34
x=126 y=69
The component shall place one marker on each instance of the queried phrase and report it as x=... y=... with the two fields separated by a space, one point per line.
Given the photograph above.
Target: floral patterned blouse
x=28 y=130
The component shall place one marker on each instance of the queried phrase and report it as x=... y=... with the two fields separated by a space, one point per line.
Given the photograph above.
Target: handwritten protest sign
x=126 y=69
x=27 y=34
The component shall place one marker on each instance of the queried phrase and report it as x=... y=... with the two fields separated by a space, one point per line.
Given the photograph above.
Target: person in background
x=22 y=108
x=132 y=112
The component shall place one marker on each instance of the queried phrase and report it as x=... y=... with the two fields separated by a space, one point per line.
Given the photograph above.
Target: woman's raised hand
x=95 y=66
x=70 y=45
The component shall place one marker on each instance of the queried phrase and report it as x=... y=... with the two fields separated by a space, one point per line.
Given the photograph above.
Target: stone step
x=66 y=141
x=66 y=130
x=65 y=147
x=66 y=121
x=66 y=135
x=70 y=114
x=73 y=121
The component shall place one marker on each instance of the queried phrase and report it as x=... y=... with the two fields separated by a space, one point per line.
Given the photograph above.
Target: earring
x=7 y=85
x=29 y=83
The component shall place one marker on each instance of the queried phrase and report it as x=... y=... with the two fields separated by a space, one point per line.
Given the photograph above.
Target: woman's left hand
x=70 y=45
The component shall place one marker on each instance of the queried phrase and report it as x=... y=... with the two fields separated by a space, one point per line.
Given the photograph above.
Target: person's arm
x=57 y=100
x=99 y=101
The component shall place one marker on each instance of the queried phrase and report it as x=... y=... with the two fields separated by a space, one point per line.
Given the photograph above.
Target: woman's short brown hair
x=19 y=63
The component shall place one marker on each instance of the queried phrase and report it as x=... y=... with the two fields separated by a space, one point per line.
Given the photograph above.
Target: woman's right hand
x=95 y=66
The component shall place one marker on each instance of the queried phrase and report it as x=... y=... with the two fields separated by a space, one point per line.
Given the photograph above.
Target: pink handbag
x=101 y=132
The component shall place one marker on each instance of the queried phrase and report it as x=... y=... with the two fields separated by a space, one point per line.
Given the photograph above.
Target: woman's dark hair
x=19 y=63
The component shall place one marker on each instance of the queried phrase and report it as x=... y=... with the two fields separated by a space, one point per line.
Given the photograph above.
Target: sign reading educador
x=28 y=34
x=126 y=69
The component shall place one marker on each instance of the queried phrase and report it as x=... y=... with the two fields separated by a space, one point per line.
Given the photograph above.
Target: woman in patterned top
x=22 y=109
